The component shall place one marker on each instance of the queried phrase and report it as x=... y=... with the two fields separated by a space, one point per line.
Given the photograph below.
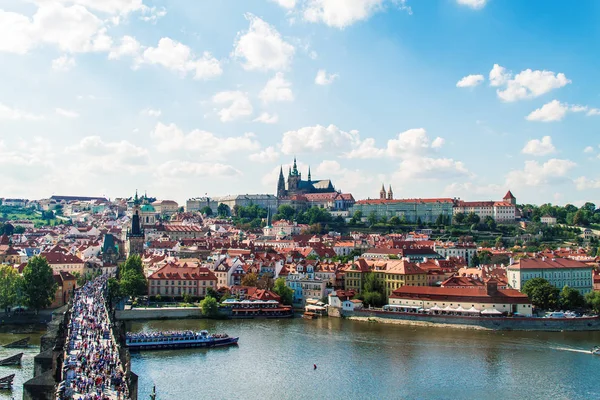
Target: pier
x=81 y=357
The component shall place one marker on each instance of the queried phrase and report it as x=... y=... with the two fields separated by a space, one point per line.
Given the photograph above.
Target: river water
x=360 y=360
x=24 y=372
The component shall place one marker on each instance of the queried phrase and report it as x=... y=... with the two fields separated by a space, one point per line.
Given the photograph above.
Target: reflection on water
x=359 y=360
x=24 y=372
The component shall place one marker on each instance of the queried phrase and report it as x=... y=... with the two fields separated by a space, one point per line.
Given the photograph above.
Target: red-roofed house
x=560 y=272
x=173 y=280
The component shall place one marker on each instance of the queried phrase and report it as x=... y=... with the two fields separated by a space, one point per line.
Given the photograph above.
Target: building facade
x=560 y=272
x=501 y=211
x=135 y=233
x=174 y=280
x=295 y=184
x=409 y=210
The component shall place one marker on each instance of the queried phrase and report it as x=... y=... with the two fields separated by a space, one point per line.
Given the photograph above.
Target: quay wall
x=158 y=313
x=486 y=323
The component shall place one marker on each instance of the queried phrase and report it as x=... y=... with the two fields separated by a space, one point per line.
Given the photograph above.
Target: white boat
x=596 y=350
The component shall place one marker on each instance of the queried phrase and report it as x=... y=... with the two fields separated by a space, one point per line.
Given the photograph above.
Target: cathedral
x=295 y=184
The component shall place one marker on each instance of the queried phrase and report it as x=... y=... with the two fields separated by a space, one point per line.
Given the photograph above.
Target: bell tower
x=135 y=233
x=382 y=194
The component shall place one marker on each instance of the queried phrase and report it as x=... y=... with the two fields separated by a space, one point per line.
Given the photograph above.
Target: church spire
x=382 y=194
x=295 y=170
x=309 y=174
x=136 y=199
x=390 y=194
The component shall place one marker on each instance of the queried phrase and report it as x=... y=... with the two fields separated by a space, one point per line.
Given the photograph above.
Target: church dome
x=148 y=208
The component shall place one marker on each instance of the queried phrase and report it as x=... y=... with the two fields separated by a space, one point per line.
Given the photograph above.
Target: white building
x=560 y=272
x=501 y=211
x=464 y=251
x=548 y=220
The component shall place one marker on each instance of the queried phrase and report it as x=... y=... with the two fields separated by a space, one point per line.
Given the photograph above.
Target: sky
x=181 y=99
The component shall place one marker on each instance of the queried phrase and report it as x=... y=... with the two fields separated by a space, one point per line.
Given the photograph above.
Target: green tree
x=281 y=289
x=39 y=287
x=19 y=229
x=223 y=210
x=187 y=298
x=571 y=298
x=580 y=218
x=206 y=211
x=285 y=212
x=265 y=282
x=474 y=261
x=593 y=300
x=114 y=291
x=395 y=221
x=459 y=218
x=541 y=293
x=372 y=218
x=210 y=307
x=10 y=285
x=132 y=280
x=250 y=279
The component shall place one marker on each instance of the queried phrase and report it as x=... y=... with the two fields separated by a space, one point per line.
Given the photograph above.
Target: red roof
x=430 y=293
x=174 y=272
x=547 y=263
x=61 y=258
x=508 y=195
x=385 y=201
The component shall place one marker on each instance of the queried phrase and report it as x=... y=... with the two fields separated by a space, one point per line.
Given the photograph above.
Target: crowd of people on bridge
x=92 y=367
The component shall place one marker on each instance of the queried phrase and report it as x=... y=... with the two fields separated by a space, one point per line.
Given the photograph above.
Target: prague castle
x=296 y=186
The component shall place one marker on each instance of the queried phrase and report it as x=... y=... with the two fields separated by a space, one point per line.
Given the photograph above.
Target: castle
x=296 y=186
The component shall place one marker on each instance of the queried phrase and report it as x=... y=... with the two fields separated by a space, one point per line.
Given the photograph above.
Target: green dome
x=148 y=208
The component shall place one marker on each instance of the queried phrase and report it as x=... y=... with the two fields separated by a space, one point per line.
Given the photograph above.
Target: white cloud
x=239 y=105
x=129 y=47
x=549 y=112
x=72 y=29
x=345 y=178
x=268 y=155
x=537 y=147
x=150 y=112
x=179 y=57
x=177 y=169
x=588 y=149
x=323 y=78
x=578 y=108
x=470 y=81
x=593 y=111
x=470 y=190
x=63 y=63
x=121 y=7
x=95 y=154
x=277 y=89
x=67 y=113
x=262 y=47
x=499 y=76
x=171 y=138
x=288 y=4
x=583 y=183
x=315 y=138
x=267 y=118
x=342 y=13
x=153 y=14
x=527 y=84
x=426 y=168
x=413 y=142
x=474 y=4
x=7 y=112
x=536 y=174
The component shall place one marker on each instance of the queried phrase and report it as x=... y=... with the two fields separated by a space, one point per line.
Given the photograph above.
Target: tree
x=223 y=210
x=285 y=212
x=39 y=287
x=250 y=279
x=593 y=300
x=206 y=211
x=187 y=298
x=114 y=291
x=9 y=229
x=499 y=243
x=10 y=286
x=19 y=229
x=132 y=280
x=395 y=221
x=281 y=289
x=213 y=293
x=541 y=293
x=265 y=282
x=210 y=307
x=474 y=261
x=459 y=218
x=579 y=218
x=372 y=218
x=571 y=298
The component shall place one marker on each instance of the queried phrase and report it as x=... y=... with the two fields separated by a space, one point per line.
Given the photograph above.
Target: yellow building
x=390 y=274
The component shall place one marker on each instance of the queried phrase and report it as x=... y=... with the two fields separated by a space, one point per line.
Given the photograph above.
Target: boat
x=18 y=344
x=6 y=382
x=596 y=350
x=12 y=360
x=177 y=340
x=310 y=315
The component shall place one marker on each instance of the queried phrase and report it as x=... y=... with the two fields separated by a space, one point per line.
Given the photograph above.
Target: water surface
x=358 y=360
x=24 y=372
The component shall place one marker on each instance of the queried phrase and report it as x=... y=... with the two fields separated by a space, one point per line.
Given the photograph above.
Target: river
x=24 y=372
x=359 y=360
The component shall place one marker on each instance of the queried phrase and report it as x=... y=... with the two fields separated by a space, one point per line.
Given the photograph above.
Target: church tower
x=390 y=195
x=294 y=179
x=382 y=194
x=135 y=233
x=281 y=184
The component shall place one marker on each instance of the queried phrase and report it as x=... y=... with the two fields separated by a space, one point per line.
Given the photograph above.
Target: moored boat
x=18 y=344
x=596 y=350
x=12 y=360
x=177 y=340
x=6 y=382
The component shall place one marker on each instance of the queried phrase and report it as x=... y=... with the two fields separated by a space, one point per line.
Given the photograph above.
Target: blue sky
x=448 y=98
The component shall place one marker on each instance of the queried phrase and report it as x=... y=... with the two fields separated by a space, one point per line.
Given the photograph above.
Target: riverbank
x=476 y=323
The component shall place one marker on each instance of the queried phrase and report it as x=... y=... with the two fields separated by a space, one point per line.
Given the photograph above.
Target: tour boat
x=177 y=340
x=596 y=351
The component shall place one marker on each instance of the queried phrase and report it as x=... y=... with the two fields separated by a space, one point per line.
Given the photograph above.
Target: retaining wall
x=491 y=323
x=158 y=313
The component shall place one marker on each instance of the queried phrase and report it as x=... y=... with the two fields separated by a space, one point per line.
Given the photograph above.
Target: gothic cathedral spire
x=281 y=184
x=382 y=194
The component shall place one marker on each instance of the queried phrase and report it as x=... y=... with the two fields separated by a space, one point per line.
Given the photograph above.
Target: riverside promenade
x=92 y=367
